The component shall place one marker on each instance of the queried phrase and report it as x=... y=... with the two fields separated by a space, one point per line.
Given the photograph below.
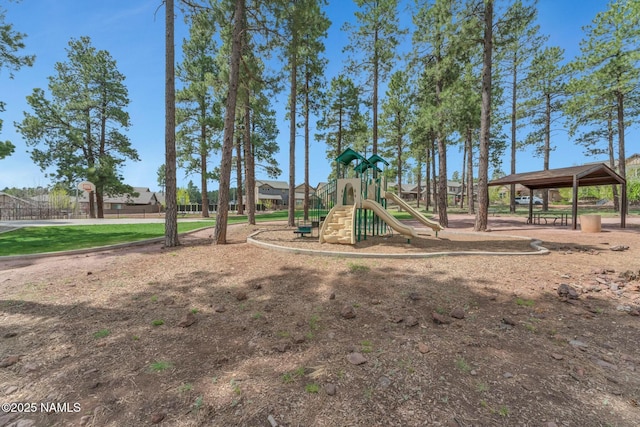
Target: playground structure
x=357 y=205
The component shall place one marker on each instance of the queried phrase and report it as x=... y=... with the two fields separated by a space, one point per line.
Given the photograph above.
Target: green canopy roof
x=348 y=156
x=375 y=159
x=364 y=165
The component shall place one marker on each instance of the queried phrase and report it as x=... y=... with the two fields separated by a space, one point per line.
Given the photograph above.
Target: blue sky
x=133 y=33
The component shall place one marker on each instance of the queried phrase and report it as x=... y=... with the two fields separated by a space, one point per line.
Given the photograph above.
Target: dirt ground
x=239 y=335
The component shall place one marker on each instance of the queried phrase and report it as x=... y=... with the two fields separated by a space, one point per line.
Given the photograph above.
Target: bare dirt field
x=239 y=335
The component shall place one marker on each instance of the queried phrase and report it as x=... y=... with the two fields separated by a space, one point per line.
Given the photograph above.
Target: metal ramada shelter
x=571 y=177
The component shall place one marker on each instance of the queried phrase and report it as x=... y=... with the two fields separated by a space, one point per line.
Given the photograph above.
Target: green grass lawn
x=33 y=240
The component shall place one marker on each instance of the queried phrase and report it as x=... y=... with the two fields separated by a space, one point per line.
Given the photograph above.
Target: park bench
x=303 y=230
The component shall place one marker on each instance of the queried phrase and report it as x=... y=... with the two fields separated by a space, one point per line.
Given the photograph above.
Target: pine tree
x=520 y=41
x=312 y=69
x=546 y=89
x=340 y=121
x=373 y=43
x=11 y=42
x=438 y=43
x=238 y=28
x=485 y=120
x=79 y=130
x=199 y=108
x=171 y=208
x=396 y=113
x=608 y=66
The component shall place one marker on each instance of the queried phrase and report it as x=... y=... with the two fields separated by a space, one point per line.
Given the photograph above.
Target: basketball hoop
x=86 y=186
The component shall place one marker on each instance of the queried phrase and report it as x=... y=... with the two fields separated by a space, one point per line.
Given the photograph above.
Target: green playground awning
x=377 y=159
x=363 y=166
x=348 y=155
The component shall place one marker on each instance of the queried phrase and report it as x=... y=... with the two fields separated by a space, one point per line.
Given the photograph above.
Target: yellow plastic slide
x=414 y=213
x=405 y=230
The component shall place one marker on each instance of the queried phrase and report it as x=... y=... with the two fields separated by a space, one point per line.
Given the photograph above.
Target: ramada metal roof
x=574 y=177
x=586 y=175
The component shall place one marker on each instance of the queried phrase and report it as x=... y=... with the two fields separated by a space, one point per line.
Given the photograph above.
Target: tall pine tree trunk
x=434 y=178
x=622 y=166
x=399 y=170
x=239 y=174
x=171 y=214
x=292 y=132
x=249 y=164
x=463 y=177
x=203 y=165
x=419 y=166
x=100 y=203
x=376 y=77
x=441 y=194
x=427 y=177
x=222 y=215
x=514 y=117
x=305 y=203
x=92 y=204
x=470 y=201
x=485 y=121
x=612 y=161
x=547 y=150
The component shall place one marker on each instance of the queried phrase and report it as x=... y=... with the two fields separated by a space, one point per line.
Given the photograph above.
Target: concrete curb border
x=536 y=244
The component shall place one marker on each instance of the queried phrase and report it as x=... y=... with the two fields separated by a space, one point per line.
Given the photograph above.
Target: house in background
x=300 y=195
x=407 y=191
x=274 y=195
x=632 y=166
x=521 y=190
x=271 y=195
x=146 y=201
x=410 y=191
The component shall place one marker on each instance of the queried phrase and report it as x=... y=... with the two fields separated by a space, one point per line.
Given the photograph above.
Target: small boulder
x=410 y=321
x=423 y=348
x=629 y=275
x=440 y=319
x=188 y=320
x=157 y=417
x=566 y=291
x=458 y=313
x=508 y=321
x=348 y=312
x=9 y=361
x=330 y=389
x=356 y=358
